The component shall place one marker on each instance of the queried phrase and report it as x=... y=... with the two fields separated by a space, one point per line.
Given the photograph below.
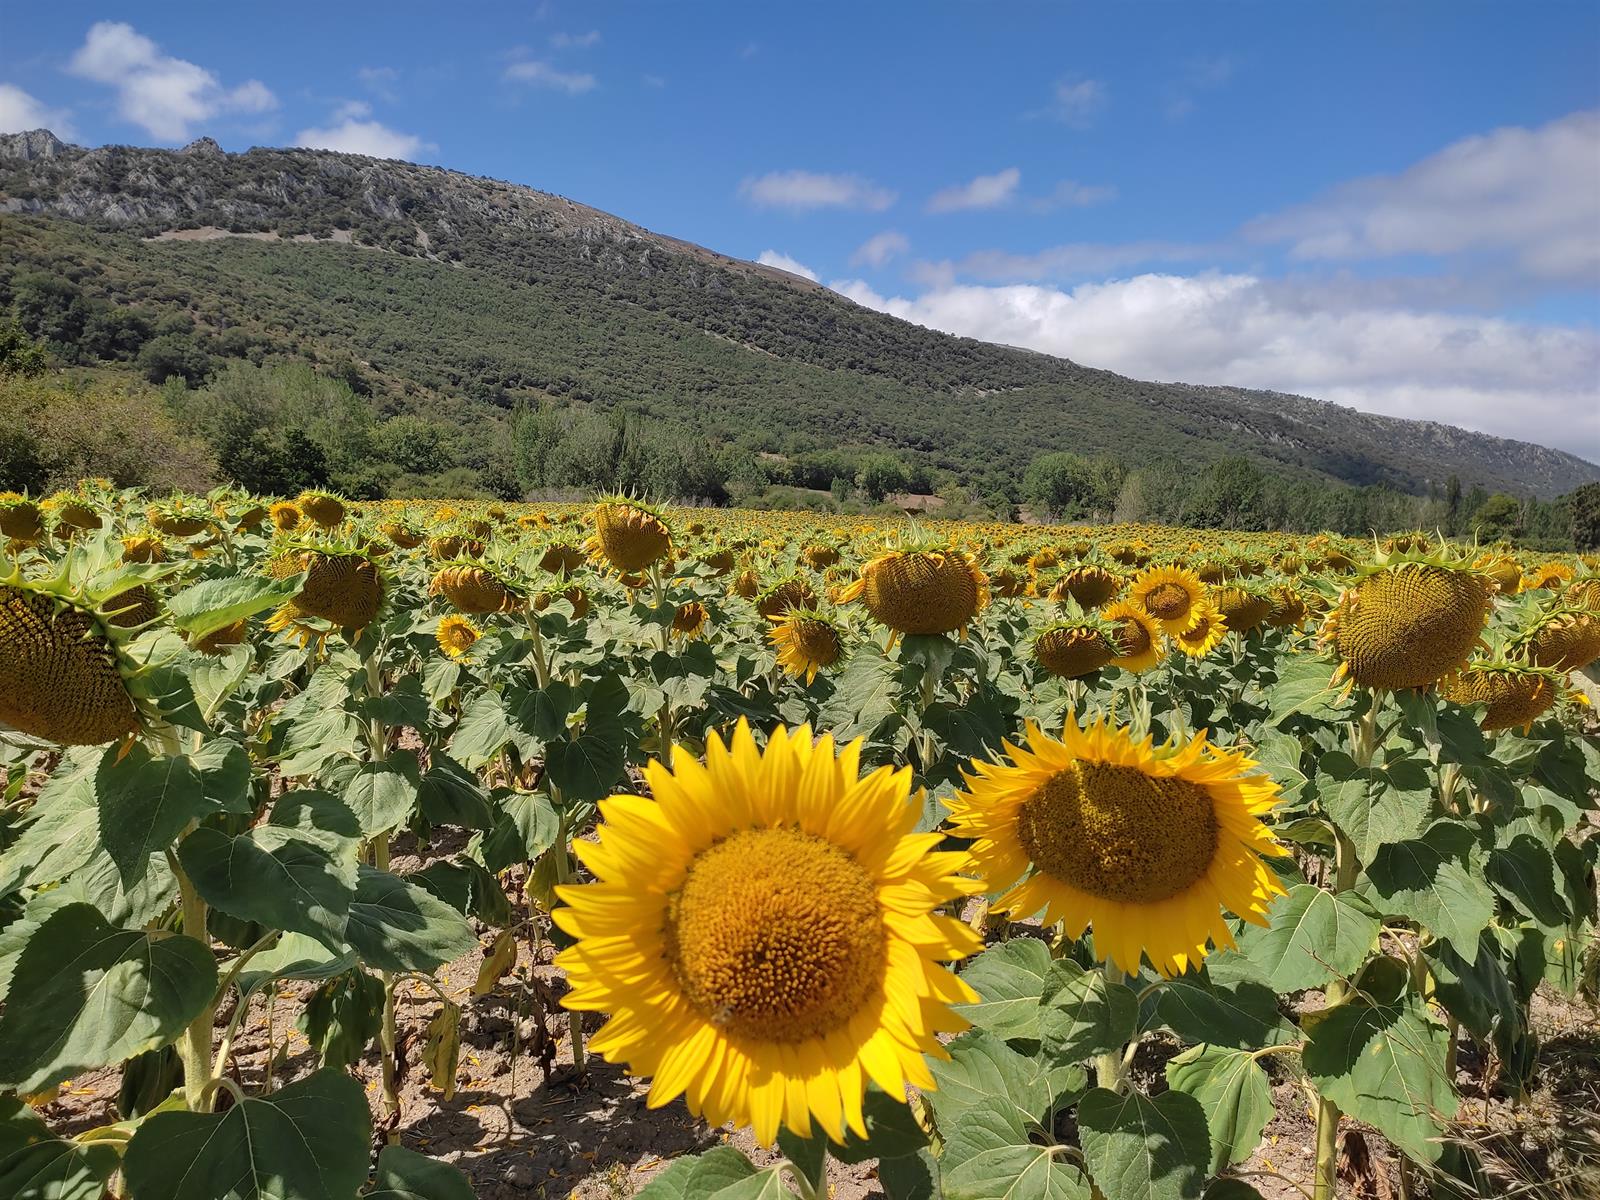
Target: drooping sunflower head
x=401 y=535
x=74 y=513
x=921 y=591
x=1145 y=844
x=819 y=557
x=1583 y=593
x=629 y=535
x=574 y=594
x=21 y=520
x=177 y=519
x=1552 y=576
x=474 y=587
x=1008 y=584
x=217 y=641
x=1562 y=638
x=63 y=674
x=1409 y=624
x=143 y=548
x=1075 y=648
x=1168 y=594
x=1137 y=634
x=806 y=642
x=285 y=516
x=456 y=635
x=689 y=620
x=1504 y=570
x=1289 y=608
x=561 y=558
x=1088 y=585
x=1205 y=635
x=793 y=592
x=343 y=586
x=325 y=508
x=1243 y=609
x=131 y=607
x=1515 y=694
x=720 y=562
x=764 y=934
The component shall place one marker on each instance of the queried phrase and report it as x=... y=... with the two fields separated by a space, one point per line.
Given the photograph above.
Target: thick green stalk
x=194 y=1049
x=1110 y=1070
x=1325 y=1180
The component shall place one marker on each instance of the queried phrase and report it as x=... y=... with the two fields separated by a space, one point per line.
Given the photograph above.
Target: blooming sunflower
x=285 y=516
x=1547 y=575
x=689 y=620
x=1138 y=637
x=1205 y=635
x=1169 y=594
x=456 y=635
x=763 y=934
x=1147 y=844
x=806 y=642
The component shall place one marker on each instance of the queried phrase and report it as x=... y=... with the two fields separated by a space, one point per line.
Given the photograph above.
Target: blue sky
x=1394 y=206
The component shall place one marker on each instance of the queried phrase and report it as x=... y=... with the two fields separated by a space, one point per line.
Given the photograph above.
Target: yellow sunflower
x=806 y=642
x=628 y=535
x=689 y=620
x=1148 y=844
x=1551 y=575
x=1205 y=635
x=921 y=592
x=764 y=934
x=1169 y=594
x=1138 y=637
x=456 y=635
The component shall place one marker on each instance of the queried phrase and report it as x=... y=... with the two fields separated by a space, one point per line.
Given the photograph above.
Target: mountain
x=460 y=296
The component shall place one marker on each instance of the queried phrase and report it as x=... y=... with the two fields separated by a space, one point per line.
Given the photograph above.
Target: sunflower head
x=216 y=642
x=1073 y=649
x=1008 y=584
x=561 y=558
x=1563 y=638
x=176 y=520
x=629 y=535
x=1205 y=635
x=793 y=592
x=574 y=594
x=720 y=562
x=1408 y=624
x=325 y=508
x=806 y=642
x=689 y=620
x=21 y=520
x=143 y=548
x=456 y=635
x=75 y=513
x=401 y=535
x=1289 y=608
x=921 y=591
x=1552 y=576
x=473 y=587
x=343 y=586
x=1583 y=593
x=1137 y=634
x=63 y=674
x=1243 y=609
x=764 y=933
x=1504 y=570
x=1088 y=585
x=131 y=607
x=1515 y=694
x=285 y=516
x=1167 y=594
x=1141 y=842
x=819 y=557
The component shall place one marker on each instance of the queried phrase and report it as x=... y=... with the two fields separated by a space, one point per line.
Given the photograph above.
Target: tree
x=1500 y=516
x=173 y=355
x=879 y=475
x=1069 y=486
x=1584 y=505
x=20 y=354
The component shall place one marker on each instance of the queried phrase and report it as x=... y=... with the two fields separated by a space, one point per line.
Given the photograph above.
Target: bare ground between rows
x=522 y=1123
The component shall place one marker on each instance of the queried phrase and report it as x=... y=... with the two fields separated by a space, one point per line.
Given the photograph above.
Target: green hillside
x=459 y=299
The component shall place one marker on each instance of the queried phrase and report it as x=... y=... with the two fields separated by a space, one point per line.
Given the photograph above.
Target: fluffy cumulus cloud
x=985 y=191
x=802 y=191
x=20 y=112
x=165 y=96
x=1529 y=196
x=1503 y=377
x=773 y=258
x=880 y=248
x=542 y=75
x=351 y=130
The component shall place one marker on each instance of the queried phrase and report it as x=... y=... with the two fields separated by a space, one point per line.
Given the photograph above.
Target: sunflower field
x=973 y=861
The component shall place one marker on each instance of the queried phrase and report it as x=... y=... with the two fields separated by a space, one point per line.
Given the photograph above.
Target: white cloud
x=165 y=96
x=575 y=41
x=1509 y=378
x=1202 y=75
x=985 y=191
x=1074 y=260
x=20 y=112
x=800 y=191
x=1071 y=194
x=1076 y=102
x=880 y=248
x=1528 y=195
x=381 y=82
x=772 y=258
x=542 y=74
x=349 y=133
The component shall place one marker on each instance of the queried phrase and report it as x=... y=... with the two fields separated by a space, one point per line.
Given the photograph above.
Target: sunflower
x=1169 y=594
x=456 y=635
x=1148 y=844
x=1089 y=585
x=1205 y=635
x=689 y=620
x=1073 y=649
x=324 y=508
x=764 y=934
x=1503 y=569
x=21 y=519
x=629 y=535
x=921 y=592
x=143 y=549
x=746 y=584
x=1138 y=637
x=1289 y=609
x=1242 y=609
x=1008 y=584
x=1515 y=695
x=561 y=558
x=806 y=642
x=1548 y=575
x=131 y=607
x=61 y=675
x=1565 y=639
x=285 y=516
x=343 y=587
x=218 y=640
x=474 y=588
x=1409 y=624
x=401 y=535
x=76 y=514
x=1583 y=593
x=794 y=592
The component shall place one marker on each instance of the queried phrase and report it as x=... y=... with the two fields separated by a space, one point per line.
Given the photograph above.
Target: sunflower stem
x=541 y=664
x=195 y=1048
x=1111 y=1068
x=665 y=633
